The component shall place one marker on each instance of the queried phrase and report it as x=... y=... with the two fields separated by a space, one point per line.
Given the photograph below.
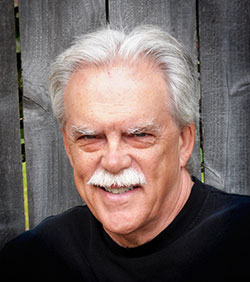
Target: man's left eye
x=140 y=134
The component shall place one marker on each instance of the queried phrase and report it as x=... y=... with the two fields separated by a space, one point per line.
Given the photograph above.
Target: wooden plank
x=47 y=28
x=175 y=16
x=11 y=186
x=225 y=85
x=178 y=17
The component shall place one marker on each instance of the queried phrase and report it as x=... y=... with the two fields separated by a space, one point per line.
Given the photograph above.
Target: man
x=126 y=106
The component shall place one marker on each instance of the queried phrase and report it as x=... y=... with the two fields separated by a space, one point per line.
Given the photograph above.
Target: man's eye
x=140 y=134
x=90 y=137
x=87 y=137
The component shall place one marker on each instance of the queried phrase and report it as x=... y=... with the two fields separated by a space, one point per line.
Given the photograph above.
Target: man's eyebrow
x=150 y=127
x=77 y=130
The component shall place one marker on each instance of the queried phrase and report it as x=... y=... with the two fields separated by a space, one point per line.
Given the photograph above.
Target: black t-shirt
x=209 y=240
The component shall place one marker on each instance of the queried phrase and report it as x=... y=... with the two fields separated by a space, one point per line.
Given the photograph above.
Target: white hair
x=104 y=46
x=127 y=177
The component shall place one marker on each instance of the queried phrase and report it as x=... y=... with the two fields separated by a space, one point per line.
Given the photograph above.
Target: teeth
x=119 y=190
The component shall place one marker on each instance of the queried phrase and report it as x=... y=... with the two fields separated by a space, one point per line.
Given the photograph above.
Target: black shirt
x=209 y=240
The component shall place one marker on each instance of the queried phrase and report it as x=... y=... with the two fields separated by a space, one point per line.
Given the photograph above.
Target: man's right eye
x=90 y=142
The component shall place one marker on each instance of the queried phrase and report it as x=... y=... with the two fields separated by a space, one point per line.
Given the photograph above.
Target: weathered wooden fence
x=217 y=32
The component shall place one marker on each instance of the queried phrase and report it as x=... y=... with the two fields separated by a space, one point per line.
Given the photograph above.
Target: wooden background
x=217 y=32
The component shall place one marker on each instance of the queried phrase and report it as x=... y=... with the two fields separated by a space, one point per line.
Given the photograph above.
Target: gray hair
x=102 y=47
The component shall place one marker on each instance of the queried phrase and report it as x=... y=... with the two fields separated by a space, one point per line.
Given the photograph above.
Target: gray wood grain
x=11 y=186
x=175 y=16
x=225 y=85
x=47 y=28
x=178 y=17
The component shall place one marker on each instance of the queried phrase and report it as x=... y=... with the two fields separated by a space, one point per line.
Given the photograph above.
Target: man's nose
x=115 y=157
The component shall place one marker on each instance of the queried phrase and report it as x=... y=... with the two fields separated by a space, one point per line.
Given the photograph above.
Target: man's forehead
x=123 y=103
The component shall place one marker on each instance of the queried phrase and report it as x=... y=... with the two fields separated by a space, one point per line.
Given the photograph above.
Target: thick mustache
x=127 y=177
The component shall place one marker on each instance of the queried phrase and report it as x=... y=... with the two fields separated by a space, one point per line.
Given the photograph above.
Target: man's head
x=127 y=110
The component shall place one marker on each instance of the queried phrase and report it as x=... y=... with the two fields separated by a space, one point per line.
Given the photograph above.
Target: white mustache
x=127 y=177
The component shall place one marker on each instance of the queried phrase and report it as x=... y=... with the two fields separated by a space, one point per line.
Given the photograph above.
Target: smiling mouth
x=118 y=190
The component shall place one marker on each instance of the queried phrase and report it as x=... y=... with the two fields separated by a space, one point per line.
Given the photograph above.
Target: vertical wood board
x=225 y=86
x=178 y=17
x=11 y=185
x=47 y=28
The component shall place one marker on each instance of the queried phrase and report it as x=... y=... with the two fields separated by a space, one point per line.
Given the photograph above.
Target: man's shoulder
x=220 y=234
x=51 y=249
x=228 y=209
x=220 y=197
x=54 y=230
x=76 y=217
x=226 y=200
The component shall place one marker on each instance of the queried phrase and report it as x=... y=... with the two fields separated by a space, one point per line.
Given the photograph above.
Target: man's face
x=119 y=118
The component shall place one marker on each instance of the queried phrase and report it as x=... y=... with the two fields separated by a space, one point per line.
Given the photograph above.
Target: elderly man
x=126 y=106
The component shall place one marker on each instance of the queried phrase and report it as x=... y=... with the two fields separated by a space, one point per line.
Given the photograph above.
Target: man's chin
x=121 y=224
x=122 y=235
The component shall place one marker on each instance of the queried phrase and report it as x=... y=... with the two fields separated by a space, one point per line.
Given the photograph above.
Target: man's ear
x=66 y=142
x=187 y=140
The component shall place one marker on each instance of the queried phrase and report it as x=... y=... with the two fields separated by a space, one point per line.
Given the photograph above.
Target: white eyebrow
x=75 y=131
x=140 y=128
x=151 y=127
